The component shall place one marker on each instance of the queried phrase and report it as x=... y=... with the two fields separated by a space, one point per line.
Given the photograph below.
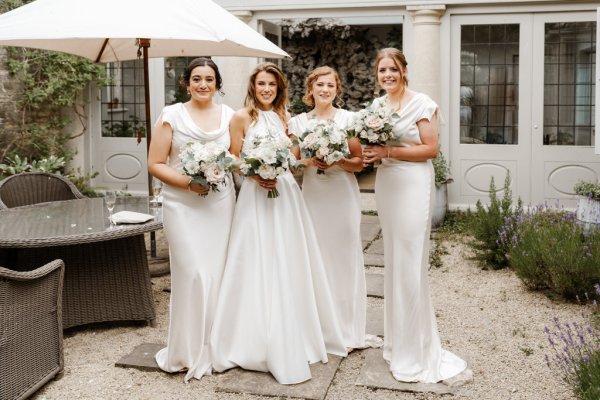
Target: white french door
x=563 y=108
x=523 y=101
x=118 y=126
x=490 y=108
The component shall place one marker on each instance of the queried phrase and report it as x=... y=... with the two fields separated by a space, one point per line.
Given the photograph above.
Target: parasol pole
x=144 y=44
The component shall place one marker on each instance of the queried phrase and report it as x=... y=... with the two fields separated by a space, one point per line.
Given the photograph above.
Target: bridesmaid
x=333 y=201
x=197 y=228
x=404 y=194
x=275 y=311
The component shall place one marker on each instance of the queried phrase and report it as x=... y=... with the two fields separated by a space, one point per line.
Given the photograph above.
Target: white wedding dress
x=404 y=192
x=197 y=229
x=275 y=311
x=333 y=201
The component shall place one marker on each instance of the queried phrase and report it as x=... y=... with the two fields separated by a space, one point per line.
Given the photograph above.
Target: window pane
x=489 y=54
x=467 y=74
x=174 y=68
x=569 y=70
x=122 y=101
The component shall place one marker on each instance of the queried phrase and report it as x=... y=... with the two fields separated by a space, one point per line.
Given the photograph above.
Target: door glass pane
x=569 y=68
x=174 y=68
x=489 y=92
x=123 y=103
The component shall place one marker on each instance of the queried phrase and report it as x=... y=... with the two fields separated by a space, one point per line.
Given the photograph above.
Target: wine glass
x=110 y=198
x=156 y=190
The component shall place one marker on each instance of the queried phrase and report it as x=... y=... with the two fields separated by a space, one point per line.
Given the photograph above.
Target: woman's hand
x=307 y=162
x=372 y=154
x=197 y=188
x=265 y=183
x=320 y=164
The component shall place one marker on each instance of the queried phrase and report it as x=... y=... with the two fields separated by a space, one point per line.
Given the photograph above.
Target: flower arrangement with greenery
x=587 y=189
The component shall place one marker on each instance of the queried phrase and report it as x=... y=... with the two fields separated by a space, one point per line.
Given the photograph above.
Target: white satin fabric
x=275 y=311
x=333 y=202
x=404 y=193
x=197 y=229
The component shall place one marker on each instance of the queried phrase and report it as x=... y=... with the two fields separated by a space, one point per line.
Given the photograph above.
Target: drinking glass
x=156 y=189
x=110 y=198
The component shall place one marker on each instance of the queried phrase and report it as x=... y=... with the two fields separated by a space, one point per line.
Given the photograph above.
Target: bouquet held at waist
x=373 y=125
x=325 y=141
x=267 y=155
x=208 y=164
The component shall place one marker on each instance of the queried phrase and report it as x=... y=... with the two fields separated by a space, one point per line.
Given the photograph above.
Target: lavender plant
x=575 y=354
x=550 y=250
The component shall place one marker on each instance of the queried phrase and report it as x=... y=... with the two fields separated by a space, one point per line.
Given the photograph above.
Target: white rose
x=245 y=168
x=267 y=172
x=214 y=174
x=322 y=152
x=375 y=123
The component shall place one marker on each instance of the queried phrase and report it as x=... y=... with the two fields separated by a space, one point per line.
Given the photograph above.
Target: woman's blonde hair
x=397 y=57
x=308 y=98
x=281 y=99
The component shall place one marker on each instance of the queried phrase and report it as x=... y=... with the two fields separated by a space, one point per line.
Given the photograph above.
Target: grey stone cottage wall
x=9 y=112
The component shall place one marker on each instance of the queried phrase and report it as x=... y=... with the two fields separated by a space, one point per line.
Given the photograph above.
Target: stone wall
x=9 y=112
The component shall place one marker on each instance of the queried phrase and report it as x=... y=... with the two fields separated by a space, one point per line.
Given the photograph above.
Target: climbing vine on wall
x=47 y=83
x=350 y=49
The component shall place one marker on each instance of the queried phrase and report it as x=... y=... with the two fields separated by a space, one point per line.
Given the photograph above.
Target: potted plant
x=588 y=205
x=441 y=167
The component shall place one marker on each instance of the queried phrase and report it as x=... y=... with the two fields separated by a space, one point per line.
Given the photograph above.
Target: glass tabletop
x=80 y=219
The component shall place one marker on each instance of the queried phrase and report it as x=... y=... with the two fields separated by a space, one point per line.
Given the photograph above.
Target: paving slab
x=238 y=380
x=366 y=181
x=375 y=321
x=376 y=247
x=159 y=266
x=142 y=357
x=369 y=219
x=373 y=260
x=374 y=285
x=368 y=232
x=375 y=373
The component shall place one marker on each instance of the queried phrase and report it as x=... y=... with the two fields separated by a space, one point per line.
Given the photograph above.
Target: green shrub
x=54 y=165
x=441 y=168
x=487 y=224
x=587 y=189
x=550 y=250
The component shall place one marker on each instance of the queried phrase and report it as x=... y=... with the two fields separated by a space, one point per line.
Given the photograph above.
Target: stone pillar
x=424 y=65
x=235 y=72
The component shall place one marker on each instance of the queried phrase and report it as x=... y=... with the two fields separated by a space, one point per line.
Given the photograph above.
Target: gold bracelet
x=388 y=147
x=190 y=184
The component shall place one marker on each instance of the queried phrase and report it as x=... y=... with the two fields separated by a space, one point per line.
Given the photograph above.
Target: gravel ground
x=484 y=316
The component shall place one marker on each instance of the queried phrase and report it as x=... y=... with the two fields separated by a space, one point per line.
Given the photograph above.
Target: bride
x=275 y=310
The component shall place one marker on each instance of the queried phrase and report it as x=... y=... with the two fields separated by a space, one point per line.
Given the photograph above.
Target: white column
x=235 y=71
x=424 y=63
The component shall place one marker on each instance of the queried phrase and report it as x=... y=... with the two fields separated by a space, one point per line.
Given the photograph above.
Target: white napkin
x=130 y=217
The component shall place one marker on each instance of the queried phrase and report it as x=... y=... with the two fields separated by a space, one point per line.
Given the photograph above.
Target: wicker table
x=106 y=267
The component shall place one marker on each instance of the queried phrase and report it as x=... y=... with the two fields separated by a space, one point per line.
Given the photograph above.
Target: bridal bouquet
x=267 y=156
x=325 y=141
x=208 y=164
x=373 y=124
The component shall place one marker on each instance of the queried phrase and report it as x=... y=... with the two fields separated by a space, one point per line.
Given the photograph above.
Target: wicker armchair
x=35 y=187
x=31 y=333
